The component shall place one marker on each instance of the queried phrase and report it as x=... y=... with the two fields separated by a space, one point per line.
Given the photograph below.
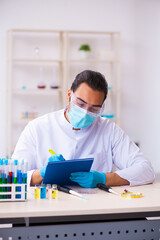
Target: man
x=79 y=131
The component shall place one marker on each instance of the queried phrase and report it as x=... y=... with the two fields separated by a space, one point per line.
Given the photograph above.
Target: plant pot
x=84 y=54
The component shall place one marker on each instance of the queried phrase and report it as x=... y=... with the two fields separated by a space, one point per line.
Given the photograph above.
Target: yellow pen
x=52 y=152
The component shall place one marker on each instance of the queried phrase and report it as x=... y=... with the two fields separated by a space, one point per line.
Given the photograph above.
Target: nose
x=86 y=107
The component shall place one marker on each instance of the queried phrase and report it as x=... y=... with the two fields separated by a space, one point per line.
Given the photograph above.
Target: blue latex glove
x=54 y=158
x=88 y=179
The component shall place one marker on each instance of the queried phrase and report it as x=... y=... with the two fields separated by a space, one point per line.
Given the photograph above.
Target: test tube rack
x=13 y=192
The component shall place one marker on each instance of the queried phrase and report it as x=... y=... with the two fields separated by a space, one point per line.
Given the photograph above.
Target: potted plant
x=84 y=50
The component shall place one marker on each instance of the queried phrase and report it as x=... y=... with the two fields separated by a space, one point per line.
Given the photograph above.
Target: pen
x=106 y=188
x=70 y=191
x=52 y=152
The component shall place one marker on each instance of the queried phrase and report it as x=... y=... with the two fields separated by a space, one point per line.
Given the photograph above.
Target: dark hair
x=94 y=80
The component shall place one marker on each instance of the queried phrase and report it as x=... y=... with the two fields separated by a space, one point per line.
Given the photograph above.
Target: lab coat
x=107 y=143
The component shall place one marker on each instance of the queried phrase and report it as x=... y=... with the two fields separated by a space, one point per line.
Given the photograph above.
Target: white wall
x=138 y=23
x=148 y=78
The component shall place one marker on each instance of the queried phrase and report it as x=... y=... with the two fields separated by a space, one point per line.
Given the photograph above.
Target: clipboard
x=59 y=172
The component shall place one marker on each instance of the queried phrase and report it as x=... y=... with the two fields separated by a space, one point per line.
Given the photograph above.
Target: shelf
x=28 y=61
x=92 y=32
x=36 y=60
x=62 y=31
x=36 y=31
x=93 y=60
x=53 y=57
x=39 y=92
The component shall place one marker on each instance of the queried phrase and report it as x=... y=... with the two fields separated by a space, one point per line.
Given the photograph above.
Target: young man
x=79 y=132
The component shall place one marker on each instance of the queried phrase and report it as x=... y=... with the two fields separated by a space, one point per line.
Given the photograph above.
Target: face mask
x=80 y=118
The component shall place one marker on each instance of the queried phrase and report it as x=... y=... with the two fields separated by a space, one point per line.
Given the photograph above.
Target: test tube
x=1 y=179
x=43 y=191
x=19 y=172
x=19 y=178
x=14 y=180
x=54 y=191
x=24 y=175
x=1 y=163
x=5 y=179
x=10 y=171
x=24 y=171
x=10 y=176
x=5 y=171
x=15 y=177
x=37 y=191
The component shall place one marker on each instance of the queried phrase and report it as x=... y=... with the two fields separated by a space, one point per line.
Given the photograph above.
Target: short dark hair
x=94 y=80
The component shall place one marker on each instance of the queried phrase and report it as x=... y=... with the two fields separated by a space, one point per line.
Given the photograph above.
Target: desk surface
x=99 y=202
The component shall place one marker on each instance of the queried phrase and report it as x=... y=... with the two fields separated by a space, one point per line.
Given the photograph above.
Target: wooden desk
x=102 y=216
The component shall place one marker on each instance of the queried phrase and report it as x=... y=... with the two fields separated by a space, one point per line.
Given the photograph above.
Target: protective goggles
x=90 y=109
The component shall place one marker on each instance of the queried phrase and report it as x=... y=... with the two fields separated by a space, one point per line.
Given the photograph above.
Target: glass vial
x=54 y=191
x=41 y=84
x=43 y=191
x=54 y=84
x=37 y=191
x=108 y=107
x=49 y=191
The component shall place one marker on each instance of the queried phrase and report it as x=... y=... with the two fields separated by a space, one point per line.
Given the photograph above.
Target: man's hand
x=88 y=179
x=53 y=158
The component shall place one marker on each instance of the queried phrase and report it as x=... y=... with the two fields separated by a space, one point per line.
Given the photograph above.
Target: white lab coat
x=103 y=140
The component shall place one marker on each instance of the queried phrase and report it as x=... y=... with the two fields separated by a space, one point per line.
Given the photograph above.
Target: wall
x=147 y=73
x=139 y=55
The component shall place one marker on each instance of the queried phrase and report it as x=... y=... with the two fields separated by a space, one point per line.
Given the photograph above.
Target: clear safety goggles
x=90 y=109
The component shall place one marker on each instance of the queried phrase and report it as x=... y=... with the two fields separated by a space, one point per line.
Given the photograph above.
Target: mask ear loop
x=70 y=98
x=102 y=109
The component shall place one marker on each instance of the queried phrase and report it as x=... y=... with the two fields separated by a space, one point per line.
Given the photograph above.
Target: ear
x=69 y=94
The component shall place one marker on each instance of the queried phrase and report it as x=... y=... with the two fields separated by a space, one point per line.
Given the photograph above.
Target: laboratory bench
x=102 y=216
